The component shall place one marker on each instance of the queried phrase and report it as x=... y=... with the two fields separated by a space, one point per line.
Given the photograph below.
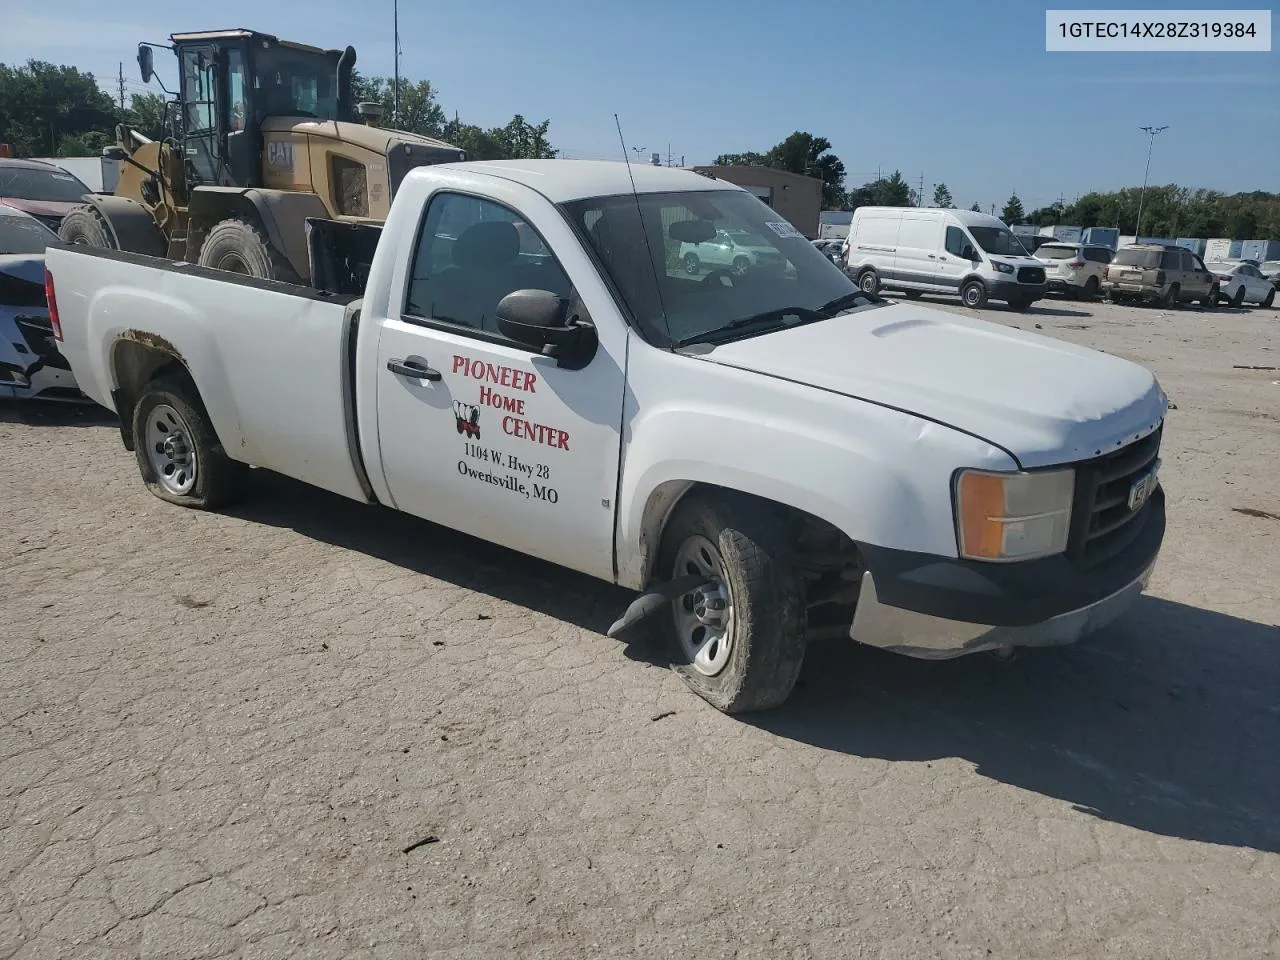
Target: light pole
x=1151 y=142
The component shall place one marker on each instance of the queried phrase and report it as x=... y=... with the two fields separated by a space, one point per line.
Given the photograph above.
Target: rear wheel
x=84 y=226
x=1171 y=297
x=179 y=455
x=1269 y=299
x=739 y=641
x=1091 y=288
x=238 y=246
x=1210 y=302
x=974 y=294
x=691 y=263
x=741 y=265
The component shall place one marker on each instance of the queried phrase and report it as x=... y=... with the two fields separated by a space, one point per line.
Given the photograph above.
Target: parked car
x=737 y=250
x=1271 y=270
x=1074 y=268
x=46 y=192
x=742 y=449
x=829 y=247
x=30 y=364
x=938 y=250
x=1241 y=283
x=1153 y=273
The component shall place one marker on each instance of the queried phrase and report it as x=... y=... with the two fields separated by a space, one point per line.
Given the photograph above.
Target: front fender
x=880 y=476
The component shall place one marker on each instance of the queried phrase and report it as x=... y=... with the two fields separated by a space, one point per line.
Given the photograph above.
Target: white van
x=926 y=250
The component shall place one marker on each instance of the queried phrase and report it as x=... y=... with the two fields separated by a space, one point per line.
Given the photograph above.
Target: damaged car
x=30 y=364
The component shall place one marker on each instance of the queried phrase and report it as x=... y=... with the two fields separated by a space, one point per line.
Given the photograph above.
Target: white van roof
x=969 y=218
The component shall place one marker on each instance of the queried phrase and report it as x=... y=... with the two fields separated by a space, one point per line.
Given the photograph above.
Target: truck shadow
x=50 y=413
x=432 y=550
x=1167 y=722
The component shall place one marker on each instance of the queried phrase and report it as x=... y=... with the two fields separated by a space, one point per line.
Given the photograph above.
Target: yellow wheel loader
x=262 y=136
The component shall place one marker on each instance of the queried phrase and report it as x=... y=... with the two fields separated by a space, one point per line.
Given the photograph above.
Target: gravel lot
x=222 y=734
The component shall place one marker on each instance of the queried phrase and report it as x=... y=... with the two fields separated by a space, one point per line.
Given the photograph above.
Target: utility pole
x=1151 y=142
x=920 y=193
x=120 y=81
x=668 y=153
x=638 y=152
x=395 y=108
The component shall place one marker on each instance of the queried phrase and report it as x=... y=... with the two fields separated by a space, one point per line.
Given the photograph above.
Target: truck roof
x=563 y=180
x=969 y=218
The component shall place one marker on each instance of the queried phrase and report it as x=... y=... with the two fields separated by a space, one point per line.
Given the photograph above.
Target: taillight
x=51 y=302
x=1159 y=278
x=1075 y=264
x=1106 y=273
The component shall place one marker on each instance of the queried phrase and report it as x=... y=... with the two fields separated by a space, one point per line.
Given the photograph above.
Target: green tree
x=748 y=159
x=977 y=207
x=1013 y=212
x=420 y=110
x=146 y=114
x=942 y=196
x=41 y=104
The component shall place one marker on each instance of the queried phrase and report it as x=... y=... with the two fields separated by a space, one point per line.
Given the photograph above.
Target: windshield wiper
x=828 y=310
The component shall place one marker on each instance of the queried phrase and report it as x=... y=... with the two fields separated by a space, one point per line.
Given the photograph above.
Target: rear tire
x=1211 y=301
x=1091 y=289
x=238 y=246
x=1269 y=299
x=691 y=263
x=747 y=653
x=179 y=455
x=84 y=226
x=974 y=294
x=1170 y=299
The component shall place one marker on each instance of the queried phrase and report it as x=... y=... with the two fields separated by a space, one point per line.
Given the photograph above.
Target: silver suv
x=1152 y=273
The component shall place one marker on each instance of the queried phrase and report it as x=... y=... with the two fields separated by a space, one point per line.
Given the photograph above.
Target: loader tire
x=239 y=246
x=84 y=226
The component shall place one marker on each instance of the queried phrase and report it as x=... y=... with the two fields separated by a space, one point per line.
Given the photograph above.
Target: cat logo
x=280 y=154
x=468 y=418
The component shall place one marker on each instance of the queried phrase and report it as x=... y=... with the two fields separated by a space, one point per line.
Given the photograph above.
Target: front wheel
x=1269 y=299
x=1210 y=302
x=869 y=282
x=1171 y=297
x=1238 y=300
x=741 y=265
x=238 y=246
x=974 y=294
x=691 y=263
x=179 y=455
x=738 y=641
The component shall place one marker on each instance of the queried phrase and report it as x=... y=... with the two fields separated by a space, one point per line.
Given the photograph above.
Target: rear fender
x=131 y=225
x=282 y=214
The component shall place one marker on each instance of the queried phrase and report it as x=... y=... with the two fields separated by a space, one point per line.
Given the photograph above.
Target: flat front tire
x=179 y=455
x=739 y=641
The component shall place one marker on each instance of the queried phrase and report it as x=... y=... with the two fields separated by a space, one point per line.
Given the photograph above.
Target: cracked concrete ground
x=221 y=732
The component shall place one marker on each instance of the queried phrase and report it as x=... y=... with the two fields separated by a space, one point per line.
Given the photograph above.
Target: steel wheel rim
x=170 y=451
x=971 y=296
x=703 y=618
x=868 y=284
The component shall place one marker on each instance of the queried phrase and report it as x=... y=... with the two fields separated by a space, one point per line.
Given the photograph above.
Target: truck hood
x=1043 y=400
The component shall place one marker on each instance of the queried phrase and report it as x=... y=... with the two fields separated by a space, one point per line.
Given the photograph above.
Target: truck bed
x=273 y=360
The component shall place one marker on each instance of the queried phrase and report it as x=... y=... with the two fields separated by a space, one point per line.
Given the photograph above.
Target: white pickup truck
x=520 y=354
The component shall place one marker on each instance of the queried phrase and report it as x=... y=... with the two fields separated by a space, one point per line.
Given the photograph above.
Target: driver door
x=199 y=120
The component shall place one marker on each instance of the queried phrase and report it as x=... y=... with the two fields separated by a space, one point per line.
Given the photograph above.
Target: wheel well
x=136 y=359
x=830 y=561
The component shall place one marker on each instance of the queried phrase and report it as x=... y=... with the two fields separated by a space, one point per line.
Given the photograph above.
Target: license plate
x=1142 y=488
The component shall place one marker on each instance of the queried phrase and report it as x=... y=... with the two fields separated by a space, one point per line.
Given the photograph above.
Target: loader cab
x=231 y=81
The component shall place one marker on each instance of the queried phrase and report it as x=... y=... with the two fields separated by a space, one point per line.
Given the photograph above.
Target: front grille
x=1102 y=524
x=1031 y=274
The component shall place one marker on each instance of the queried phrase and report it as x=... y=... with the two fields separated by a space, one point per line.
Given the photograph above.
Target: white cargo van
x=925 y=250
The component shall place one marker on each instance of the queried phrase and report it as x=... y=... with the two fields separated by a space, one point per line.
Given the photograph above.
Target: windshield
x=296 y=83
x=1147 y=259
x=1056 y=253
x=24 y=235
x=998 y=241
x=26 y=183
x=680 y=288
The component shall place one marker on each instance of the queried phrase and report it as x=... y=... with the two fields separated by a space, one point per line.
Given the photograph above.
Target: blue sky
x=934 y=88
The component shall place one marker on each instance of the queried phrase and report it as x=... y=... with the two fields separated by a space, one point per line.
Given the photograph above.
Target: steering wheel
x=721 y=272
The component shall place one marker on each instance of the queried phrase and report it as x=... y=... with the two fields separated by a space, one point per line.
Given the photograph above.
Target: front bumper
x=1012 y=289
x=937 y=608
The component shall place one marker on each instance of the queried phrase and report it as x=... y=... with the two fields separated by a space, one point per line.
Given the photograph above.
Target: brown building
x=797 y=198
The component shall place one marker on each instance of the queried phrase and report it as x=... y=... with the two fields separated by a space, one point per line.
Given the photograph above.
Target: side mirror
x=968 y=252
x=146 y=65
x=540 y=319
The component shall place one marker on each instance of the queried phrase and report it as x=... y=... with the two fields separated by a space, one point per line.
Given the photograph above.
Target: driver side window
x=197 y=90
x=956 y=241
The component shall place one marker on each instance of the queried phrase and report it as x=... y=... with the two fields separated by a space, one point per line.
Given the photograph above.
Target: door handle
x=932 y=257
x=414 y=369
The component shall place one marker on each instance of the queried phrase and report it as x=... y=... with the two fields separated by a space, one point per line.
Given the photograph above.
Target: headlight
x=1013 y=516
x=1002 y=267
